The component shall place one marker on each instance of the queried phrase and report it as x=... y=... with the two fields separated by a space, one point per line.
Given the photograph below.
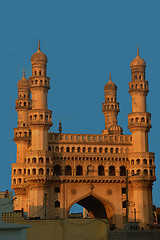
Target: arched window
x=79 y=170
x=145 y=172
x=137 y=119
x=111 y=171
x=141 y=86
x=46 y=117
x=14 y=171
x=57 y=190
x=40 y=160
x=83 y=149
x=41 y=171
x=57 y=170
x=100 y=150
x=124 y=190
x=47 y=171
x=142 y=119
x=106 y=150
x=95 y=150
x=78 y=149
x=132 y=162
x=132 y=172
x=39 y=72
x=35 y=72
x=122 y=171
x=57 y=149
x=138 y=171
x=41 y=116
x=34 y=171
x=116 y=150
x=62 y=149
x=138 y=161
x=135 y=77
x=28 y=171
x=19 y=171
x=34 y=160
x=100 y=170
x=89 y=149
x=151 y=172
x=57 y=204
x=28 y=160
x=35 y=117
x=67 y=149
x=111 y=150
x=19 y=180
x=14 y=181
x=73 y=149
x=68 y=170
x=145 y=161
x=124 y=204
x=47 y=160
x=131 y=120
x=150 y=161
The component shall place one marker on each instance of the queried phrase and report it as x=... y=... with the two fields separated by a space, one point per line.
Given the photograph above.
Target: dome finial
x=110 y=76
x=38 y=44
x=137 y=50
x=23 y=72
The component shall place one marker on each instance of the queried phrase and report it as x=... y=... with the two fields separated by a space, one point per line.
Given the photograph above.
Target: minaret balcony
x=22 y=134
x=138 y=86
x=110 y=106
x=40 y=117
x=139 y=121
x=23 y=104
x=40 y=81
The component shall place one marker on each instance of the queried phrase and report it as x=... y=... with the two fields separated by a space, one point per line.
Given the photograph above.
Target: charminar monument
x=109 y=174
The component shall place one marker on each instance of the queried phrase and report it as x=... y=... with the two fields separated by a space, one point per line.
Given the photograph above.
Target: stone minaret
x=22 y=132
x=139 y=121
x=110 y=109
x=40 y=118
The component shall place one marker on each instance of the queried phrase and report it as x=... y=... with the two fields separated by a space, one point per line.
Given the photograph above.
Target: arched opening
x=100 y=170
x=57 y=204
x=68 y=170
x=94 y=207
x=57 y=190
x=111 y=171
x=57 y=170
x=122 y=171
x=79 y=170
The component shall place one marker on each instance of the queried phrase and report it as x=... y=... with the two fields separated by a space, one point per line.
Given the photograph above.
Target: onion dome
x=23 y=82
x=39 y=56
x=115 y=129
x=138 y=61
x=110 y=85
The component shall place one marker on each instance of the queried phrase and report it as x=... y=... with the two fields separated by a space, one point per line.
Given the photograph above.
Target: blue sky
x=84 y=41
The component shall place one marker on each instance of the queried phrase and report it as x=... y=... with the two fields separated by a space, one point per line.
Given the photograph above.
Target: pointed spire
x=23 y=72
x=110 y=76
x=137 y=51
x=38 y=44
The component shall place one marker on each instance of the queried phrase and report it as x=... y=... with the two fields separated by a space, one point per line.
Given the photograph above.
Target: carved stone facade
x=55 y=170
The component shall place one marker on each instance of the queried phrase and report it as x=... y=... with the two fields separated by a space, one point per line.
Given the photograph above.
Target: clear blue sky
x=84 y=40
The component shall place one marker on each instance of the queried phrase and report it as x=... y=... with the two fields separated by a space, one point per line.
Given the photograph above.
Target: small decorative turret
x=60 y=127
x=110 y=108
x=139 y=121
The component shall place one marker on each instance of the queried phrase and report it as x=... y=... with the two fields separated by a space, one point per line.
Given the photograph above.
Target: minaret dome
x=138 y=61
x=38 y=56
x=23 y=82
